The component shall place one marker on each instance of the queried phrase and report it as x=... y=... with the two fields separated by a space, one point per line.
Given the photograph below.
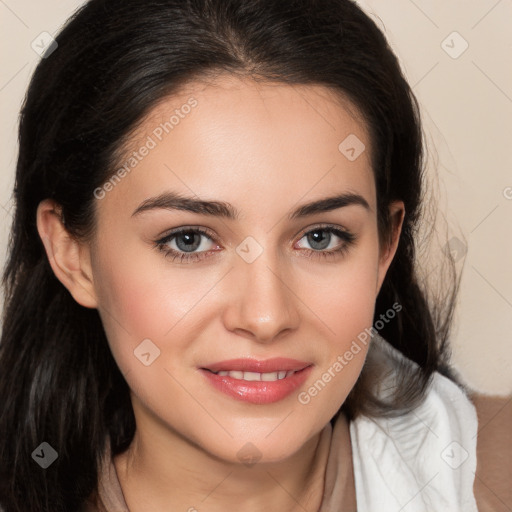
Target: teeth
x=254 y=376
x=251 y=376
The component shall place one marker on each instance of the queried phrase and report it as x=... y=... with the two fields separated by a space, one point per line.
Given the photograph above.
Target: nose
x=261 y=303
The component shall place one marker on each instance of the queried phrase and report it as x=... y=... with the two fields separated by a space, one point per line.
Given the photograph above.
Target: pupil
x=315 y=239
x=189 y=241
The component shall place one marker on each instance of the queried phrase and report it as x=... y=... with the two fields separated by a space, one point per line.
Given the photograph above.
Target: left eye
x=320 y=238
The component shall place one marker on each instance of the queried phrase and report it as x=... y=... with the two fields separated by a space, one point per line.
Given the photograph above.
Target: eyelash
x=182 y=257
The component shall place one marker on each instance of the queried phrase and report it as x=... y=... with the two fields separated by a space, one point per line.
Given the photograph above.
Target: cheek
x=343 y=296
x=133 y=302
x=145 y=297
x=133 y=295
x=345 y=307
x=347 y=303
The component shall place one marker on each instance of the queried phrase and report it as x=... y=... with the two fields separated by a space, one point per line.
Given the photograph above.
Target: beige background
x=466 y=101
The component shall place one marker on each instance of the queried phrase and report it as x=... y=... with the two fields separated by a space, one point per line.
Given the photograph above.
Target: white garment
x=424 y=461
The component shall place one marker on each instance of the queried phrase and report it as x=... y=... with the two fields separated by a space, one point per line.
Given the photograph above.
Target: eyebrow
x=174 y=201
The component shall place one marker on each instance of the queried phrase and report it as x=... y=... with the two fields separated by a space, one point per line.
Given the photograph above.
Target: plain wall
x=466 y=104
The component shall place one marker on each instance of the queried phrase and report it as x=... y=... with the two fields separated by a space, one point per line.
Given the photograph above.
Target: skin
x=494 y=453
x=279 y=146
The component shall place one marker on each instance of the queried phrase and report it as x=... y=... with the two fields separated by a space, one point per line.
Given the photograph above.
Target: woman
x=211 y=293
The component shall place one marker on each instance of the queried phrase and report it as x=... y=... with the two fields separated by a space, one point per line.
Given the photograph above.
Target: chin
x=260 y=448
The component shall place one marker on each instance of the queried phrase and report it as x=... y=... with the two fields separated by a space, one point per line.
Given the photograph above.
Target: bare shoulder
x=493 y=477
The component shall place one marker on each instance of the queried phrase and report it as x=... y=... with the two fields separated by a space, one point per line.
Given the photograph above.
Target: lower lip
x=258 y=392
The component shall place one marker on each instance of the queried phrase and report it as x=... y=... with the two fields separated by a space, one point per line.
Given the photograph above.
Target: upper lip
x=253 y=365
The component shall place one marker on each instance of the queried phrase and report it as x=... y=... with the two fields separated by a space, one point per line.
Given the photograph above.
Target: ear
x=387 y=252
x=69 y=259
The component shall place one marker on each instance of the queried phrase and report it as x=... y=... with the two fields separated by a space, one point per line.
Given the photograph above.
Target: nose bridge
x=264 y=304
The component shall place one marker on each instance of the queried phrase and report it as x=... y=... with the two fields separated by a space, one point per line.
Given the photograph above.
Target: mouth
x=255 y=376
x=249 y=365
x=257 y=382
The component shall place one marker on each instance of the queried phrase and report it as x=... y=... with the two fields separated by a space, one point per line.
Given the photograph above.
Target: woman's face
x=266 y=279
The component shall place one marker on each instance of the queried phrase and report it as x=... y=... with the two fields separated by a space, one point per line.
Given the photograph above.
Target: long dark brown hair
x=115 y=60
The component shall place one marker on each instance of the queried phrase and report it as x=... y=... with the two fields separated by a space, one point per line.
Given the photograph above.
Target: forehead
x=229 y=135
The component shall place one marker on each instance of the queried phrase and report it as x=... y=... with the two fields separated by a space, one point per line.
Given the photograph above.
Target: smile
x=255 y=376
x=257 y=382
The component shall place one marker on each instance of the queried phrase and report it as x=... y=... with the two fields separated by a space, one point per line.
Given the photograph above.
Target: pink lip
x=258 y=392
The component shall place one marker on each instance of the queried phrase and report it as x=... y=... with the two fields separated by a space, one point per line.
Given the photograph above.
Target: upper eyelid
x=178 y=231
x=324 y=226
